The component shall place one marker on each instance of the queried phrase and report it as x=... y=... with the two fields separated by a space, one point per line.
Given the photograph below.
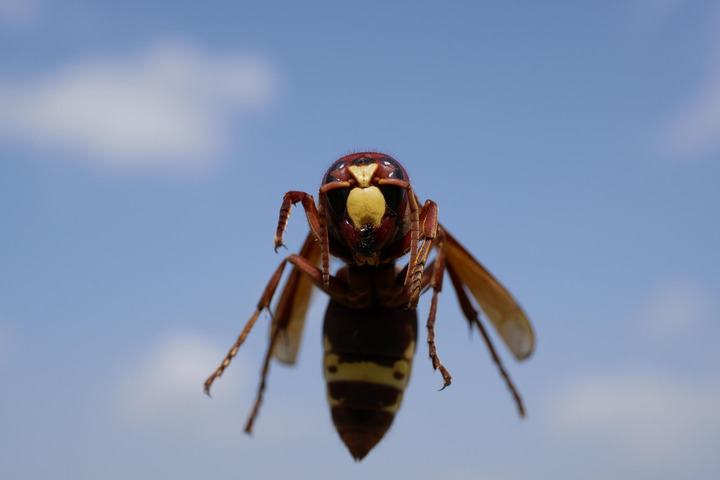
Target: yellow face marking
x=363 y=173
x=366 y=205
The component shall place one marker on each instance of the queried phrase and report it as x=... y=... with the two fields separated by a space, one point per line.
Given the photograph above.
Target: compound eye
x=329 y=177
x=337 y=199
x=397 y=171
x=394 y=196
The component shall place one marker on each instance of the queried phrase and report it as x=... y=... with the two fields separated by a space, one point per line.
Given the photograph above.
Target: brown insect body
x=367 y=364
x=369 y=217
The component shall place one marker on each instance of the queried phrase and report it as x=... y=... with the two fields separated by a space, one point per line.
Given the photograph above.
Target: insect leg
x=435 y=282
x=414 y=236
x=324 y=246
x=316 y=220
x=263 y=303
x=471 y=314
x=306 y=267
x=289 y=199
x=274 y=336
x=428 y=231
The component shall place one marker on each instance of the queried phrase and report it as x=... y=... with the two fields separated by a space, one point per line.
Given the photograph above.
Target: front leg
x=317 y=222
x=428 y=232
x=289 y=199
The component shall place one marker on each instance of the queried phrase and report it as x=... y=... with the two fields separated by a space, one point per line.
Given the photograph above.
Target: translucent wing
x=293 y=304
x=500 y=307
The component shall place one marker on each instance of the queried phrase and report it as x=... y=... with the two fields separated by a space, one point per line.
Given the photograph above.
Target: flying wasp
x=369 y=217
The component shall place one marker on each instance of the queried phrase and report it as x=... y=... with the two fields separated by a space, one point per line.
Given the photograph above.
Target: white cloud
x=674 y=309
x=163 y=390
x=695 y=129
x=170 y=106
x=650 y=421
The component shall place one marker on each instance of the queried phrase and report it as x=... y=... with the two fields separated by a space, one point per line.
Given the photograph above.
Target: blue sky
x=573 y=147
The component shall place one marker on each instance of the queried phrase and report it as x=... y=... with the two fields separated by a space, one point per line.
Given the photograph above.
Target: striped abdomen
x=368 y=358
